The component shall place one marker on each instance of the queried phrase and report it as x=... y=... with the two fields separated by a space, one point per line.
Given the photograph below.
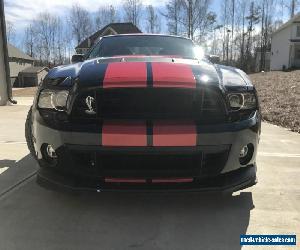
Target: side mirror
x=213 y=59
x=77 y=58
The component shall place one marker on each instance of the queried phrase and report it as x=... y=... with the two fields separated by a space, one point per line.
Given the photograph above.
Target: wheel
x=28 y=133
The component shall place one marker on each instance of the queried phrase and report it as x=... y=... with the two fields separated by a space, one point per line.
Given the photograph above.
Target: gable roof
x=286 y=24
x=119 y=28
x=34 y=69
x=14 y=52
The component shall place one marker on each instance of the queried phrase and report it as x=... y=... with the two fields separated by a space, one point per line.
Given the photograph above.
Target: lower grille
x=149 y=166
x=131 y=164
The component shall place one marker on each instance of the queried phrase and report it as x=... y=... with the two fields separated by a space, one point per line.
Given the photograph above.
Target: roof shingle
x=33 y=69
x=120 y=28
x=14 y=52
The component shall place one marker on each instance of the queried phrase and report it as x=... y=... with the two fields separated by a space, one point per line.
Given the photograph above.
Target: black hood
x=91 y=73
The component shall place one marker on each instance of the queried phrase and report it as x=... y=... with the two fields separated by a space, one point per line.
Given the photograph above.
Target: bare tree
x=191 y=9
x=253 y=19
x=29 y=40
x=232 y=28
x=215 y=39
x=174 y=16
x=242 y=6
x=197 y=18
x=10 y=31
x=152 y=20
x=266 y=29
x=205 y=25
x=133 y=11
x=292 y=9
x=81 y=23
x=45 y=39
x=225 y=22
x=105 y=15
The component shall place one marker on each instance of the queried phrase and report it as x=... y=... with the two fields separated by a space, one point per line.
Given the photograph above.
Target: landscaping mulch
x=279 y=96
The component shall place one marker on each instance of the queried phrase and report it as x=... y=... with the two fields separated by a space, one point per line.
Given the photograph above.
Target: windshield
x=143 y=45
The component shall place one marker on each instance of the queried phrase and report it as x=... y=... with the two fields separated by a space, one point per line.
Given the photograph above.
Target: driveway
x=35 y=218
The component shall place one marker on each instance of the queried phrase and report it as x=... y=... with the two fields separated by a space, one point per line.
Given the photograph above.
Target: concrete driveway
x=35 y=218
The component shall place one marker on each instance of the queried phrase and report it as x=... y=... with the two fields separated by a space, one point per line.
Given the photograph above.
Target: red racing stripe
x=173 y=75
x=125 y=74
x=124 y=133
x=166 y=133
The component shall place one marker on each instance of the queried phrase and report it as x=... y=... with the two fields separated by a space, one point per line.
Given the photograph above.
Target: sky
x=22 y=11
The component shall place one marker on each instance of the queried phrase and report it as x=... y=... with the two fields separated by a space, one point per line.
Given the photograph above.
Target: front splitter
x=229 y=182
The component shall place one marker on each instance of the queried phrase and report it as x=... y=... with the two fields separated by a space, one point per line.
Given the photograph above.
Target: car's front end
x=146 y=123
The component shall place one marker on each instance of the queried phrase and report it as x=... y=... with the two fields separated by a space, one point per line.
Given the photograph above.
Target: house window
x=298 y=31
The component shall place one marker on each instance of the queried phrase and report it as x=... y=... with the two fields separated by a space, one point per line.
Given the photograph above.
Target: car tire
x=28 y=133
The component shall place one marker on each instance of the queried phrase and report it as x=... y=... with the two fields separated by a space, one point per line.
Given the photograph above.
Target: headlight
x=242 y=101
x=53 y=99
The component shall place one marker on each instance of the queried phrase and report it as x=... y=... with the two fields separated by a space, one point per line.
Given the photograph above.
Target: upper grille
x=201 y=105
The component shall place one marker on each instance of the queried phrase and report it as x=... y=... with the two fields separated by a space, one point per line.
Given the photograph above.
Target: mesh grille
x=203 y=106
x=197 y=164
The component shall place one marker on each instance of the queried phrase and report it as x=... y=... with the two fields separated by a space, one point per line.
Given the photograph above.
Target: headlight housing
x=243 y=101
x=53 y=99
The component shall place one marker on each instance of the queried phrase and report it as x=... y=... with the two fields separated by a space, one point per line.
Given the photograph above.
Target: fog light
x=244 y=151
x=51 y=152
x=246 y=154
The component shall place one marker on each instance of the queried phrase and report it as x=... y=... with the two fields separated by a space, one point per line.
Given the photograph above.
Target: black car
x=145 y=112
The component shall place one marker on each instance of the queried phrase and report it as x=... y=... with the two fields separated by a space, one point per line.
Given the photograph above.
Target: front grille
x=129 y=164
x=148 y=166
x=201 y=105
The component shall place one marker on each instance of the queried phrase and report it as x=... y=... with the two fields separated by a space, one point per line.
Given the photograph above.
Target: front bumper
x=224 y=141
x=229 y=182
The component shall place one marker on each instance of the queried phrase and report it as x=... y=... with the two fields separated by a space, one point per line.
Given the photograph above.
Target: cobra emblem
x=90 y=102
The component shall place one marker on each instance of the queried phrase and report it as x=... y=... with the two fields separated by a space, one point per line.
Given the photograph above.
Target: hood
x=151 y=71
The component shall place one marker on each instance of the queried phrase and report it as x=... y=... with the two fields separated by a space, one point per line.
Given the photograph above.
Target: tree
x=225 y=21
x=266 y=30
x=253 y=19
x=29 y=40
x=105 y=15
x=173 y=16
x=81 y=23
x=133 y=11
x=242 y=6
x=292 y=8
x=197 y=18
x=152 y=20
x=205 y=25
x=232 y=27
x=10 y=31
x=215 y=41
x=45 y=39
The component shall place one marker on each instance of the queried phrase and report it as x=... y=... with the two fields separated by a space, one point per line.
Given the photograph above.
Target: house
x=18 y=61
x=32 y=76
x=110 y=29
x=285 y=45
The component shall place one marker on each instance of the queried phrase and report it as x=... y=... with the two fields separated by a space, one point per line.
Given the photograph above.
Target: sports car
x=145 y=112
